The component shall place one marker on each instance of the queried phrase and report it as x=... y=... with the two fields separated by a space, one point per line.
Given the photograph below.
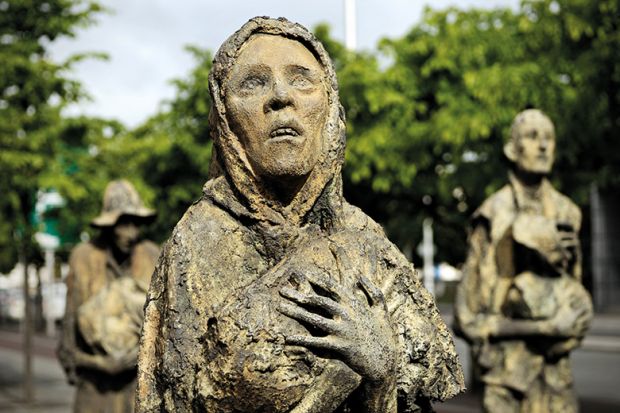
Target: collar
x=532 y=199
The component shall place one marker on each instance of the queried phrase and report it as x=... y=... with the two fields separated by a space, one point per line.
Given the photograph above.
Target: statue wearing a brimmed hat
x=106 y=290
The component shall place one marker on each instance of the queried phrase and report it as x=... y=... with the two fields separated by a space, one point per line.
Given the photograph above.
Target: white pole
x=350 y=38
x=49 y=280
x=428 y=252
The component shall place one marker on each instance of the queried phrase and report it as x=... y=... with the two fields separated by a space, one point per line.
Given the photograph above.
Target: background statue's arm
x=473 y=317
x=71 y=356
x=476 y=319
x=67 y=347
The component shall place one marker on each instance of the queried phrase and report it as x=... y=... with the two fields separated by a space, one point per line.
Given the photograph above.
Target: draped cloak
x=213 y=340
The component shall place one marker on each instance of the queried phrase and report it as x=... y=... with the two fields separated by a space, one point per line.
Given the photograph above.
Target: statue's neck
x=284 y=190
x=528 y=190
x=530 y=182
x=121 y=257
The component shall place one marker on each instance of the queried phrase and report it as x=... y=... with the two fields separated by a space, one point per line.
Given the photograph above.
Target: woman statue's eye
x=301 y=82
x=252 y=83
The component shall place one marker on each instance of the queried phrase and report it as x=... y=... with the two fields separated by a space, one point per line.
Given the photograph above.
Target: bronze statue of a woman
x=274 y=294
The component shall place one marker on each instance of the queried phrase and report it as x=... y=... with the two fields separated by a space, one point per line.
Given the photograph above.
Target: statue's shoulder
x=86 y=251
x=204 y=226
x=148 y=248
x=356 y=219
x=499 y=202
x=204 y=218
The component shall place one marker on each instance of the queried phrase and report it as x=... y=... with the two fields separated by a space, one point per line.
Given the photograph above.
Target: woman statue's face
x=276 y=103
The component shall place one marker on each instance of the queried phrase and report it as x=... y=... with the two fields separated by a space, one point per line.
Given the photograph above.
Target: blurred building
x=52 y=293
x=605 y=250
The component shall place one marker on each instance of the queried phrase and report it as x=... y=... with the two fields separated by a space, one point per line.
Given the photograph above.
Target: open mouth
x=284 y=132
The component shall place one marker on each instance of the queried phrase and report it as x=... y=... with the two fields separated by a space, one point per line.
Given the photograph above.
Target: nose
x=280 y=97
x=133 y=229
x=130 y=231
x=544 y=144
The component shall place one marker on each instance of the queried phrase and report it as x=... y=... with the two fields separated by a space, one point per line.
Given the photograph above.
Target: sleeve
x=67 y=345
x=148 y=398
x=473 y=294
x=429 y=368
x=71 y=350
x=166 y=359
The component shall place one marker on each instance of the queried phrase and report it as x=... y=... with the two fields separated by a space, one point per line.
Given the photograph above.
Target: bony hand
x=572 y=319
x=569 y=241
x=117 y=364
x=356 y=326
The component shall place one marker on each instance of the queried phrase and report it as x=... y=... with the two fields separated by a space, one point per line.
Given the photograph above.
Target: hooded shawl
x=213 y=340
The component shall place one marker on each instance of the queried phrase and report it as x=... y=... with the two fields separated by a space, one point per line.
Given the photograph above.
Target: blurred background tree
x=428 y=113
x=427 y=117
x=33 y=90
x=168 y=156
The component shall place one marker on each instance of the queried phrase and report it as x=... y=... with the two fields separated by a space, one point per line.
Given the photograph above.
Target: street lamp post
x=350 y=25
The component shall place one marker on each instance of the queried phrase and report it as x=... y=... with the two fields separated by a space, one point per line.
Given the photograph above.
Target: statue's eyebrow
x=256 y=68
x=303 y=70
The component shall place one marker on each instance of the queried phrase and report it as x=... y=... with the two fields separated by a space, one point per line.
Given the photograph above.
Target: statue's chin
x=286 y=169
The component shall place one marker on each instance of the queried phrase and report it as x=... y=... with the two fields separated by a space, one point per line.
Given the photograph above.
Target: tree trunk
x=27 y=331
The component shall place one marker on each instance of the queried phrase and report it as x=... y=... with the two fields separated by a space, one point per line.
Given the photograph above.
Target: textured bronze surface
x=274 y=294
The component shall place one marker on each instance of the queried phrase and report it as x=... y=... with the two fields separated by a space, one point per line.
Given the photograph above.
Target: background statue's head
x=122 y=215
x=531 y=146
x=276 y=104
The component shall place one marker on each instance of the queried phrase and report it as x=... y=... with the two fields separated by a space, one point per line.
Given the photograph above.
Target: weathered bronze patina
x=106 y=291
x=521 y=303
x=273 y=293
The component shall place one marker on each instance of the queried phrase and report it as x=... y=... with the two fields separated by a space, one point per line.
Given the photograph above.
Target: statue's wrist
x=380 y=396
x=547 y=328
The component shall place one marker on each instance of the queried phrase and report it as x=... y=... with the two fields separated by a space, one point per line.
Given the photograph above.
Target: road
x=52 y=393
x=596 y=368
x=597 y=381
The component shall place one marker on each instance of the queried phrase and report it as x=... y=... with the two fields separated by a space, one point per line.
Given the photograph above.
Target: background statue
x=106 y=291
x=273 y=293
x=521 y=303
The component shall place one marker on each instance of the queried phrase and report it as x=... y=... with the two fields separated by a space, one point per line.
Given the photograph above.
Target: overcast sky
x=145 y=41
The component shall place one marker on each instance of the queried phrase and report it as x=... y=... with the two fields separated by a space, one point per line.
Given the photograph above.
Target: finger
x=129 y=358
x=300 y=282
x=372 y=292
x=342 y=258
x=314 y=300
x=301 y=314
x=323 y=285
x=325 y=343
x=296 y=279
x=372 y=260
x=569 y=245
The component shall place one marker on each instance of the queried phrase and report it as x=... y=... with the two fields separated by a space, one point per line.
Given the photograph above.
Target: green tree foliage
x=428 y=115
x=167 y=157
x=80 y=172
x=33 y=90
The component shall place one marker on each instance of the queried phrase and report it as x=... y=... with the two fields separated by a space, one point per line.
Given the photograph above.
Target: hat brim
x=109 y=219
